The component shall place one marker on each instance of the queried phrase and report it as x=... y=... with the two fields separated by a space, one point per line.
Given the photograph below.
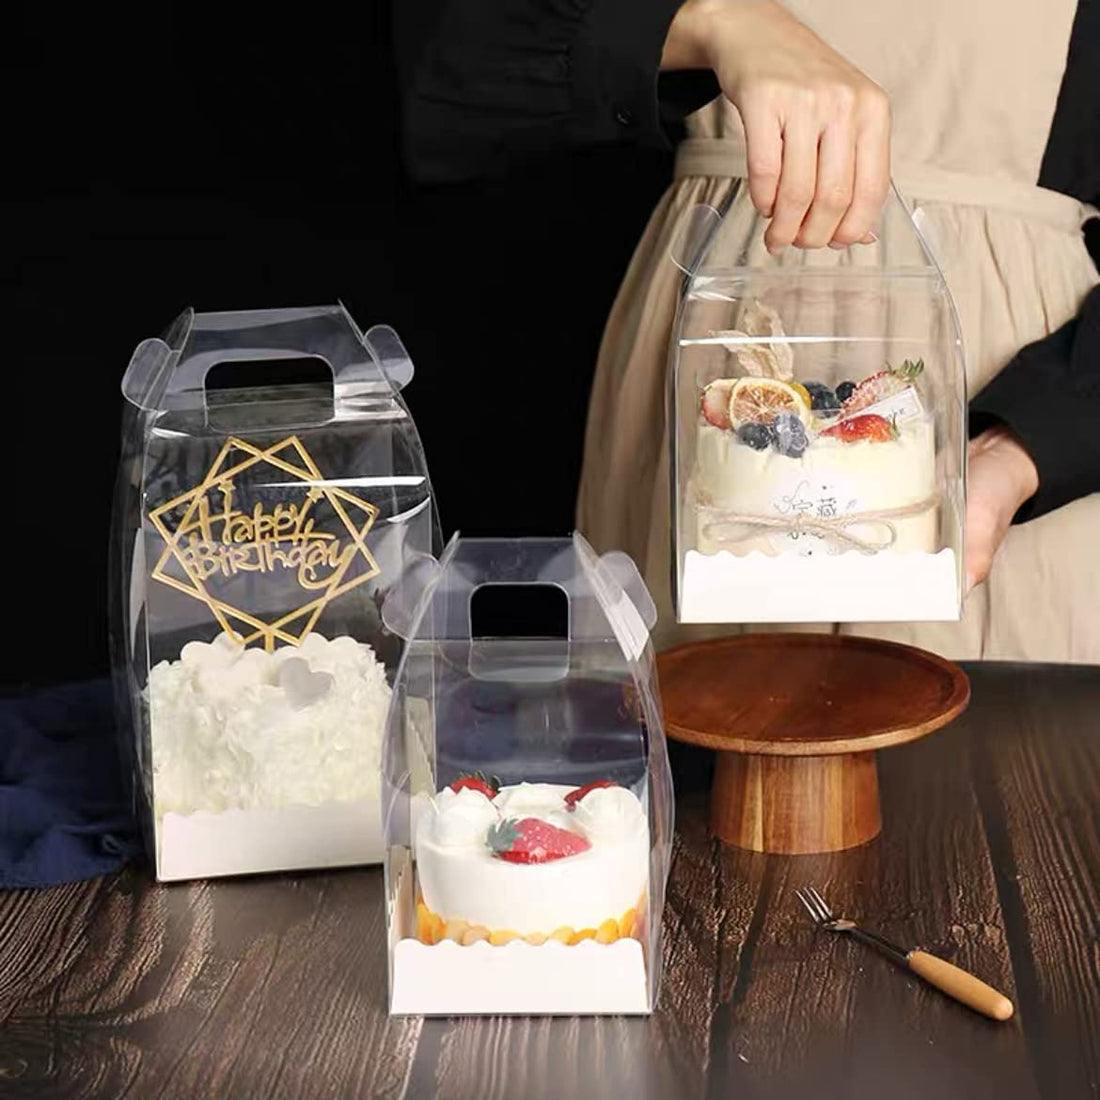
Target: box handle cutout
x=519 y=632
x=297 y=391
x=499 y=610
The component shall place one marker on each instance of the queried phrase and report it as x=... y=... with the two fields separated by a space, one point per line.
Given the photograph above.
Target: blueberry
x=845 y=390
x=758 y=436
x=822 y=399
x=790 y=435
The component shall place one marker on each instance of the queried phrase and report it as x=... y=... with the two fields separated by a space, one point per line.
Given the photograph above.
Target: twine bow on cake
x=723 y=526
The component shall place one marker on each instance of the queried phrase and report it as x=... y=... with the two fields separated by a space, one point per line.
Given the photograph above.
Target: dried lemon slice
x=760 y=400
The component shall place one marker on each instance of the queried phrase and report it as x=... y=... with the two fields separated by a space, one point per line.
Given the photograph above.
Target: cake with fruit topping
x=532 y=861
x=789 y=467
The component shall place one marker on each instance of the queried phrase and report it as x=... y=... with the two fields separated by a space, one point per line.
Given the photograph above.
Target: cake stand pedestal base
x=796 y=720
x=795 y=804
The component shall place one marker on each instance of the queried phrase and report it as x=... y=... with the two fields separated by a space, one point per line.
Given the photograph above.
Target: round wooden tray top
x=796 y=719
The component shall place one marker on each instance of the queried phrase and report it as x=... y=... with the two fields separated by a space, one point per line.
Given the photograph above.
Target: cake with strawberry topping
x=532 y=861
x=788 y=467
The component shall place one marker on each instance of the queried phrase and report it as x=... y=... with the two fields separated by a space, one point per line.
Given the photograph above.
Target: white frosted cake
x=829 y=480
x=264 y=761
x=807 y=503
x=535 y=861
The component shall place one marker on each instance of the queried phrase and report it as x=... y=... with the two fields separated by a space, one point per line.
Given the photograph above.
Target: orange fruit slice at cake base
x=761 y=400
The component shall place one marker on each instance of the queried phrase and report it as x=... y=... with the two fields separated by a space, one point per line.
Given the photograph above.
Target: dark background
x=230 y=157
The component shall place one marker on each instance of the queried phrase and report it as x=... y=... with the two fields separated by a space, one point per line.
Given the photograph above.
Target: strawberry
x=477 y=781
x=532 y=840
x=884 y=384
x=869 y=428
x=573 y=797
x=716 y=402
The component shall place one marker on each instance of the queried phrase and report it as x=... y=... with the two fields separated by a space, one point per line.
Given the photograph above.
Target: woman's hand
x=817 y=130
x=1001 y=477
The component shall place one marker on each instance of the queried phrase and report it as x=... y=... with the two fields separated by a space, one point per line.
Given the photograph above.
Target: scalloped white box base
x=850 y=587
x=249 y=842
x=518 y=979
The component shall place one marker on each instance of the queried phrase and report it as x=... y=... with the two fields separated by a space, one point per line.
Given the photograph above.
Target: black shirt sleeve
x=1049 y=395
x=1071 y=160
x=488 y=84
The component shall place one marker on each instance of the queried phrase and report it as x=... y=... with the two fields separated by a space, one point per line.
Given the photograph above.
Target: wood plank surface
x=266 y=987
x=275 y=987
x=1037 y=766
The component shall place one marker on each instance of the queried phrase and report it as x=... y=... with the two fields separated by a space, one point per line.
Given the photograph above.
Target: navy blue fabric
x=65 y=813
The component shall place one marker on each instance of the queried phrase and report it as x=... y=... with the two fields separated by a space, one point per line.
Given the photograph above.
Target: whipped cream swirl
x=462 y=818
x=610 y=813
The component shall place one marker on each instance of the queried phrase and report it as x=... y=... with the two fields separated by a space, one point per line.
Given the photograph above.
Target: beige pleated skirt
x=1015 y=261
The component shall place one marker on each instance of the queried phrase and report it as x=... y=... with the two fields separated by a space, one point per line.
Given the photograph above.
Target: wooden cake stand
x=796 y=720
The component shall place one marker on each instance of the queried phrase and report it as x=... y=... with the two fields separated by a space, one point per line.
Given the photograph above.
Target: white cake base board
x=247 y=842
x=518 y=979
x=850 y=587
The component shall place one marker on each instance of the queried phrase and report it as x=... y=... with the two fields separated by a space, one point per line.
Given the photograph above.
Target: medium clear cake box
x=818 y=412
x=528 y=802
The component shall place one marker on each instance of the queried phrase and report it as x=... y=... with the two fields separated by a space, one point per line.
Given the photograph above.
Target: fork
x=943 y=975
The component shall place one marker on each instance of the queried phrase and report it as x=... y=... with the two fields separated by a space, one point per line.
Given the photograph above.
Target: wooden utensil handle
x=960 y=985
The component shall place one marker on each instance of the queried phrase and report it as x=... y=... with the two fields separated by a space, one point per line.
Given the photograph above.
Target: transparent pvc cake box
x=528 y=803
x=272 y=489
x=818 y=403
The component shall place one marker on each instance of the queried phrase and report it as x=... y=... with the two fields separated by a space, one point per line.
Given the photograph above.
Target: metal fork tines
x=823 y=916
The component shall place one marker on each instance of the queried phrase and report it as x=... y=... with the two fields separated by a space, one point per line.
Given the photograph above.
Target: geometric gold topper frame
x=290 y=457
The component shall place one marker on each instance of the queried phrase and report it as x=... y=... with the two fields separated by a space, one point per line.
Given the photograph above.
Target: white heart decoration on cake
x=302 y=685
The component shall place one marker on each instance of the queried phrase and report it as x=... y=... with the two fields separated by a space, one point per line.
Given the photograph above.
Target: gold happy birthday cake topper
x=215 y=539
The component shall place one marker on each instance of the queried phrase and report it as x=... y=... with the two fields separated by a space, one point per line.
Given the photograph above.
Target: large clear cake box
x=528 y=802
x=818 y=412
x=272 y=488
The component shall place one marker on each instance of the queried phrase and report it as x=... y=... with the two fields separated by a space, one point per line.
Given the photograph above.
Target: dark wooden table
x=275 y=987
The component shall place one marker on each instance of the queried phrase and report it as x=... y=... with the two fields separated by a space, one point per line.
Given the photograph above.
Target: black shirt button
x=624 y=116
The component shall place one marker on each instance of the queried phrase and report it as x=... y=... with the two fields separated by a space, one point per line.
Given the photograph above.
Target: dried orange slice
x=803 y=393
x=760 y=400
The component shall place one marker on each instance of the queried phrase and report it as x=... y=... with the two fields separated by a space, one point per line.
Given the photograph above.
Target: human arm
x=1036 y=441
